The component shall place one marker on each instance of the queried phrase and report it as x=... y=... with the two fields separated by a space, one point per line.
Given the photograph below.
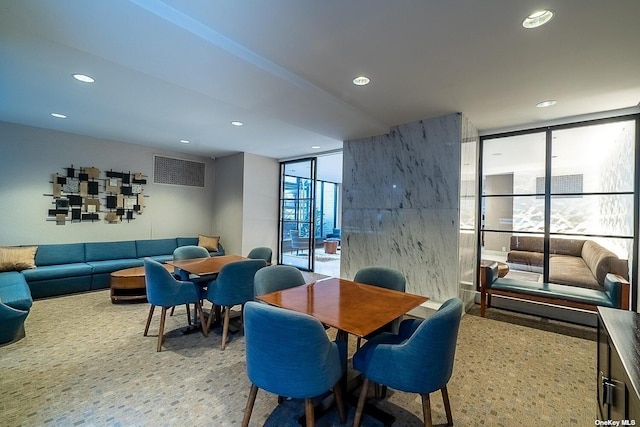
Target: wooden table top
x=352 y=307
x=136 y=271
x=204 y=266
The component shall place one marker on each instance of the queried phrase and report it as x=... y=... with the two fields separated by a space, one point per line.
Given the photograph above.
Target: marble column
x=401 y=205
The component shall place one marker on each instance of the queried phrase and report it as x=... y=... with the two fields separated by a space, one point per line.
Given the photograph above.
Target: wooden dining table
x=204 y=267
x=350 y=307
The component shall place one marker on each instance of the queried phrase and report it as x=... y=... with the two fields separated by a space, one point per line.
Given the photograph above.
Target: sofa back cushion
x=145 y=248
x=527 y=243
x=66 y=253
x=100 y=251
x=598 y=259
x=572 y=247
x=187 y=241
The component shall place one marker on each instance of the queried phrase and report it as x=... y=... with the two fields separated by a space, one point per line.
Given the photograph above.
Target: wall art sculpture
x=82 y=195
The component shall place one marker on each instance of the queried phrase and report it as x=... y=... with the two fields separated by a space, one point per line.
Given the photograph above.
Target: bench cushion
x=14 y=291
x=150 y=248
x=48 y=272
x=67 y=253
x=102 y=251
x=111 y=265
x=552 y=290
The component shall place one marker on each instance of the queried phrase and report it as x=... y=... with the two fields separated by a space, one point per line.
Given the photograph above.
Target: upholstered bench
x=614 y=293
x=15 y=303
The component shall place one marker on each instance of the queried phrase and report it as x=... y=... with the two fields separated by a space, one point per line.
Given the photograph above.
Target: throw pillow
x=209 y=242
x=17 y=258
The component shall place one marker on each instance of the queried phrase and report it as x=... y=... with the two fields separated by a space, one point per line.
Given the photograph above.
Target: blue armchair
x=289 y=354
x=261 y=252
x=382 y=277
x=419 y=359
x=165 y=291
x=276 y=278
x=233 y=286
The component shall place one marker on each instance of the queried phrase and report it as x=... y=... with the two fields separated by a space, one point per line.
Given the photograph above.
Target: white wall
x=28 y=158
x=227 y=206
x=260 y=203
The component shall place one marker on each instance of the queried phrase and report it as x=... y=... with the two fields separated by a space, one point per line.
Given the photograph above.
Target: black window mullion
x=547 y=206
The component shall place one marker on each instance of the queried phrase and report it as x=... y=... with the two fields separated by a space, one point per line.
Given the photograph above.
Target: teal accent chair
x=289 y=354
x=382 y=277
x=261 y=253
x=165 y=291
x=277 y=278
x=419 y=359
x=190 y=252
x=233 y=286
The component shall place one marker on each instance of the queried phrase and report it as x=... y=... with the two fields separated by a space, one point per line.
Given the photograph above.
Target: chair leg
x=358 y=342
x=426 y=410
x=249 y=408
x=172 y=310
x=202 y=322
x=161 y=331
x=146 y=329
x=447 y=406
x=361 y=399
x=308 y=412
x=337 y=393
x=188 y=314
x=225 y=326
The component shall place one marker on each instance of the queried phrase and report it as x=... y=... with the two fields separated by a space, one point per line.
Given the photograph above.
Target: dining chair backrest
x=190 y=252
x=277 y=278
x=163 y=289
x=382 y=277
x=288 y=353
x=234 y=284
x=261 y=252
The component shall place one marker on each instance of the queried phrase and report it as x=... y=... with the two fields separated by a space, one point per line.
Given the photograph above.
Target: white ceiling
x=184 y=69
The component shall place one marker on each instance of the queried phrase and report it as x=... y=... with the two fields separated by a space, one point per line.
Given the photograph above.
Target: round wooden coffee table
x=129 y=284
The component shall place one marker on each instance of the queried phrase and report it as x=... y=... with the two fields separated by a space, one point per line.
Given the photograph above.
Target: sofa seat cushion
x=151 y=248
x=110 y=251
x=48 y=272
x=161 y=258
x=552 y=290
x=111 y=265
x=14 y=291
x=571 y=270
x=66 y=253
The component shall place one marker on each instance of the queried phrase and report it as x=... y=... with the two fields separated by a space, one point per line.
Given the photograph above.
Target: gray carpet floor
x=84 y=361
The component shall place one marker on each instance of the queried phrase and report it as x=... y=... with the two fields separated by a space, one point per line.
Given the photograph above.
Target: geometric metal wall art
x=82 y=195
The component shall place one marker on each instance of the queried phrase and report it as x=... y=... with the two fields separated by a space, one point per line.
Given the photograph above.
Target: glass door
x=297 y=213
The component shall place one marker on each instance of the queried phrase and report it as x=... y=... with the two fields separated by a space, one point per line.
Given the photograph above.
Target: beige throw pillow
x=209 y=242
x=17 y=258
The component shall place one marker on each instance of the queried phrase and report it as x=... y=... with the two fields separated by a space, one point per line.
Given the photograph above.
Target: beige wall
x=28 y=158
x=227 y=206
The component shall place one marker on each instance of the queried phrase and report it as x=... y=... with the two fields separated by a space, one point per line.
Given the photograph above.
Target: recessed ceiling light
x=83 y=78
x=315 y=147
x=538 y=18
x=496 y=154
x=548 y=103
x=361 y=80
x=185 y=141
x=58 y=116
x=236 y=123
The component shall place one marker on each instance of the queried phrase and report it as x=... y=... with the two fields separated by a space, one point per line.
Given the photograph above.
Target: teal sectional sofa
x=75 y=267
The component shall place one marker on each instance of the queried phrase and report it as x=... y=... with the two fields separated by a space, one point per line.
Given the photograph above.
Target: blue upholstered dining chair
x=261 y=252
x=233 y=286
x=165 y=291
x=419 y=359
x=190 y=252
x=289 y=354
x=382 y=277
x=276 y=278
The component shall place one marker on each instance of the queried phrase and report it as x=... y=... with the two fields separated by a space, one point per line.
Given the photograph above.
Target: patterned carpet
x=84 y=361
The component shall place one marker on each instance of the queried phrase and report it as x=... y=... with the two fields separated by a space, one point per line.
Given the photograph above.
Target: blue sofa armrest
x=11 y=323
x=617 y=289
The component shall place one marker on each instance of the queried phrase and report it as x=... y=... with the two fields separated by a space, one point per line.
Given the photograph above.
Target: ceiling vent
x=168 y=170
